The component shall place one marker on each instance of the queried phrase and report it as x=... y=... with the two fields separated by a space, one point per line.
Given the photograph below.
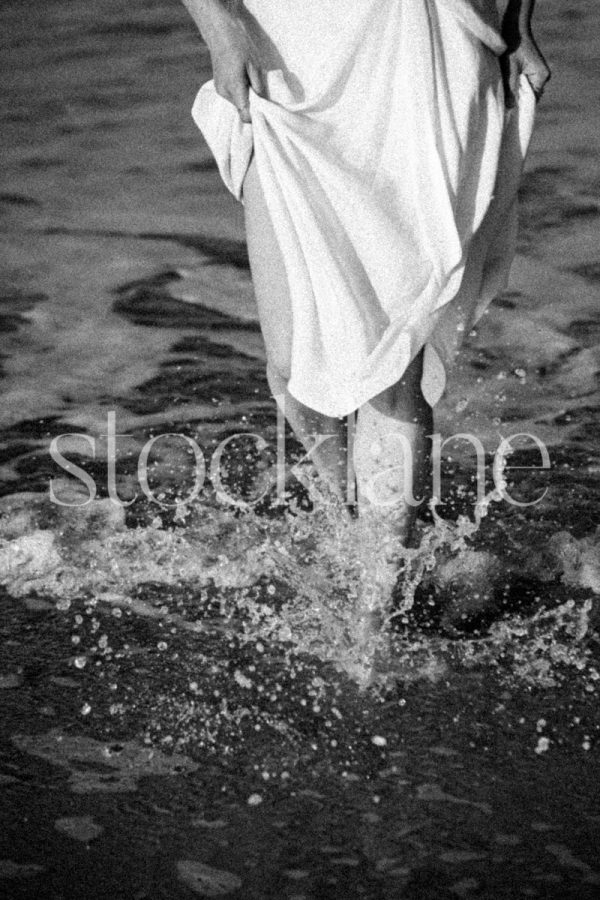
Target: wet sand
x=169 y=702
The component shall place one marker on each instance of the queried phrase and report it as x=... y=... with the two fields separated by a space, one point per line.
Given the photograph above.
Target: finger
x=536 y=86
x=245 y=115
x=241 y=100
x=538 y=80
x=538 y=91
x=257 y=79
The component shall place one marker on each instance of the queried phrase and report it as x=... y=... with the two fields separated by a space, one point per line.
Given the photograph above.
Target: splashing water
x=299 y=581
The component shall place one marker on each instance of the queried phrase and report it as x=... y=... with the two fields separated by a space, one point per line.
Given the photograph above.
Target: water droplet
x=80 y=662
x=255 y=800
x=241 y=679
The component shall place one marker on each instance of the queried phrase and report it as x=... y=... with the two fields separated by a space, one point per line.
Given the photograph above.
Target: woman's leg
x=323 y=437
x=390 y=446
x=392 y=453
x=391 y=461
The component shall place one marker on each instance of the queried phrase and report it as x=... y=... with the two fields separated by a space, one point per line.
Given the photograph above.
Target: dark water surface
x=178 y=712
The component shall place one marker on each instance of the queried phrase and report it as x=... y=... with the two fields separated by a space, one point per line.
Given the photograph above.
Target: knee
x=406 y=405
x=404 y=399
x=278 y=369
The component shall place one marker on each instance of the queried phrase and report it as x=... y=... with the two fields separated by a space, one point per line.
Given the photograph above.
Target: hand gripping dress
x=390 y=169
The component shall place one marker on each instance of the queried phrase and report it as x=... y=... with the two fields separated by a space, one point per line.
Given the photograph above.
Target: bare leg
x=391 y=460
x=390 y=446
x=323 y=437
x=391 y=452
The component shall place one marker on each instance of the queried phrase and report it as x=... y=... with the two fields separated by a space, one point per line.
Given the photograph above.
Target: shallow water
x=222 y=635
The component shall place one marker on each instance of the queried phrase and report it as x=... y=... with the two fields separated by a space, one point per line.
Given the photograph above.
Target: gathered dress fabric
x=390 y=167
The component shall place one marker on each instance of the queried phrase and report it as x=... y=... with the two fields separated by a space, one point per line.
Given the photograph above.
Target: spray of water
x=300 y=582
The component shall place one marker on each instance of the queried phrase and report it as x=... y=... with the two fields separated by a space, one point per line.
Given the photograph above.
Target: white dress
x=390 y=170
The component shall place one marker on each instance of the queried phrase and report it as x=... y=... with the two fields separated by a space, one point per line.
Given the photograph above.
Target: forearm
x=209 y=15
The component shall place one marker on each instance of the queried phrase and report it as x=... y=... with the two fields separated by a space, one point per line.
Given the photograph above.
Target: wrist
x=221 y=9
x=212 y=16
